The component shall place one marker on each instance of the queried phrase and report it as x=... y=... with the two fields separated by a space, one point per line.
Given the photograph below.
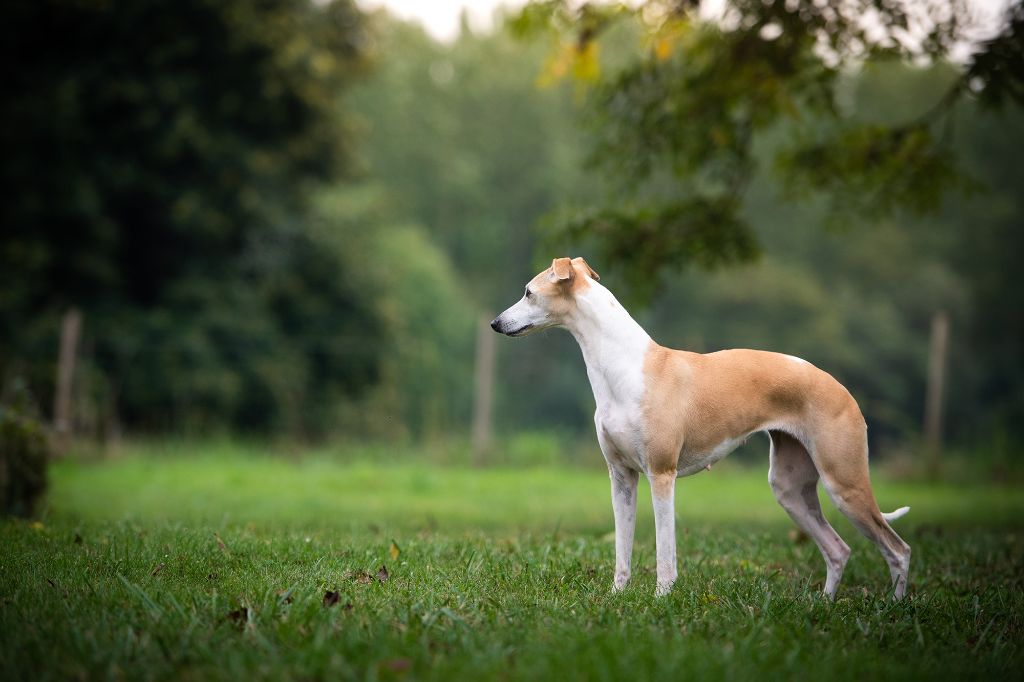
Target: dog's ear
x=561 y=270
x=579 y=262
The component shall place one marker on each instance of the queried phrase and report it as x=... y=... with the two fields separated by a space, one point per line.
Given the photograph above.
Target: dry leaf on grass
x=362 y=577
x=394 y=550
x=156 y=571
x=365 y=578
x=331 y=598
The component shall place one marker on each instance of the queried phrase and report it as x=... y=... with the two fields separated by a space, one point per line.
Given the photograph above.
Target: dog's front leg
x=663 y=488
x=624 y=507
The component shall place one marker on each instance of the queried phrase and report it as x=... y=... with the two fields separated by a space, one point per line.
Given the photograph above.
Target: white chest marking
x=614 y=347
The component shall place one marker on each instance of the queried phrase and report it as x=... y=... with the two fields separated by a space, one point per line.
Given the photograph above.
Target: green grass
x=193 y=567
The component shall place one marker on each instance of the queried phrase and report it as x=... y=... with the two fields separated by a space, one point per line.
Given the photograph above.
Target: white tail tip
x=892 y=516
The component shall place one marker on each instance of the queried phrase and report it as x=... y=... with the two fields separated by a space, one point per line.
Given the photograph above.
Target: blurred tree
x=465 y=144
x=425 y=318
x=462 y=142
x=675 y=127
x=159 y=157
x=981 y=239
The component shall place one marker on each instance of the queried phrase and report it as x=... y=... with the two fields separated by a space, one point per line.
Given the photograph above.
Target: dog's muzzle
x=496 y=325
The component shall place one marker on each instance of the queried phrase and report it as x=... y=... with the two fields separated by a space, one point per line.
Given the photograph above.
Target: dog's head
x=549 y=298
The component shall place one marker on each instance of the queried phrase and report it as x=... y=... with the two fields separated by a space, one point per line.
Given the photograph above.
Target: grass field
x=235 y=565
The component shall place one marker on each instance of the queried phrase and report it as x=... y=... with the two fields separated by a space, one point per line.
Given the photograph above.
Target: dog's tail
x=892 y=516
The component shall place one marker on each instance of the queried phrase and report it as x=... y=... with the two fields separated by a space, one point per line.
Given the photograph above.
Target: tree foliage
x=675 y=125
x=461 y=142
x=163 y=154
x=468 y=147
x=160 y=135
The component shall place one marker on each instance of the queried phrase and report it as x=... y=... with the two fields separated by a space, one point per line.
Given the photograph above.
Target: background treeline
x=288 y=218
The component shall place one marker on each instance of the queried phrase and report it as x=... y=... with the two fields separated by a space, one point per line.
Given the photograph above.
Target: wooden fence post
x=937 y=352
x=70 y=331
x=483 y=392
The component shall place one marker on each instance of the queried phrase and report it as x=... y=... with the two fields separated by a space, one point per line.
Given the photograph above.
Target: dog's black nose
x=494 y=324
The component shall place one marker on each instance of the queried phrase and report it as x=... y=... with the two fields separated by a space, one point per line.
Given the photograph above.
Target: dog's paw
x=619 y=584
x=662 y=589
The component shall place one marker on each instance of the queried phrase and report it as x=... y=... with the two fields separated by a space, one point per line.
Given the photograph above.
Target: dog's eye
x=528 y=292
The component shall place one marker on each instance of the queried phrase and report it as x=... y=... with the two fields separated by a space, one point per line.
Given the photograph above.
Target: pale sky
x=441 y=17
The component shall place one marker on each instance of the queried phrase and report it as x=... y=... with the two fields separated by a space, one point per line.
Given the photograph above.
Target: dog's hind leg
x=841 y=456
x=794 y=480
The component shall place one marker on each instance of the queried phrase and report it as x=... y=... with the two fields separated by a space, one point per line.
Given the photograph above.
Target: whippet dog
x=670 y=413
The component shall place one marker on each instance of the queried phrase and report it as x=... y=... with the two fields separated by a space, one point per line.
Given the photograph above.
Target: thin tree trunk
x=70 y=331
x=111 y=421
x=483 y=389
x=936 y=387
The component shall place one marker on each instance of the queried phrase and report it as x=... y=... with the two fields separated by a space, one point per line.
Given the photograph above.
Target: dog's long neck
x=613 y=344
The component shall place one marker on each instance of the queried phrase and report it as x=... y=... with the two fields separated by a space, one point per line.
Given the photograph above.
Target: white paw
x=663 y=589
x=620 y=582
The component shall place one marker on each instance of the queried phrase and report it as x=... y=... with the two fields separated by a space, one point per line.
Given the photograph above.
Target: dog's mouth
x=519 y=332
